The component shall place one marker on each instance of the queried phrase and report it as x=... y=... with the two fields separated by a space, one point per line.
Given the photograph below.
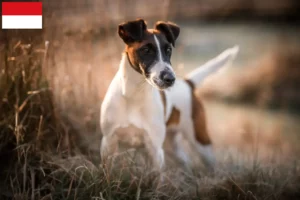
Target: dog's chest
x=141 y=112
x=133 y=113
x=132 y=123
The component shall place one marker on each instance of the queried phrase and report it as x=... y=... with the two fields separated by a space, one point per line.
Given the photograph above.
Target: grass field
x=51 y=87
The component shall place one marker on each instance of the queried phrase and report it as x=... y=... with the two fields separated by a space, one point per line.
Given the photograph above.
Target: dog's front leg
x=154 y=143
x=157 y=155
x=109 y=146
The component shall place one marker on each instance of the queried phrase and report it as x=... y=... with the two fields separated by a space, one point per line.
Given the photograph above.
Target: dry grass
x=49 y=111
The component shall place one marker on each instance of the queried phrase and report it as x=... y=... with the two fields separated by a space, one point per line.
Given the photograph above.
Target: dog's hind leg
x=200 y=142
x=174 y=144
x=181 y=151
x=207 y=155
x=157 y=155
x=205 y=152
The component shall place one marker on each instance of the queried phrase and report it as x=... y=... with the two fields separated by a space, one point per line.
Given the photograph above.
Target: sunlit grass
x=49 y=135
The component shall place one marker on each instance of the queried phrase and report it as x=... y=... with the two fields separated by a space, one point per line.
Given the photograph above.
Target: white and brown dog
x=144 y=100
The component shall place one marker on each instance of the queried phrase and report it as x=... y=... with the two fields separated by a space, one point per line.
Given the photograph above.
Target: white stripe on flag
x=22 y=22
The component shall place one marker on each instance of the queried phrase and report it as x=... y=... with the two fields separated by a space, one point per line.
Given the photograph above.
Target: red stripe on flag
x=21 y=8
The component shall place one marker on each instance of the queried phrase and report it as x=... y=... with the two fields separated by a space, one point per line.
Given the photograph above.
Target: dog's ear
x=132 y=31
x=169 y=29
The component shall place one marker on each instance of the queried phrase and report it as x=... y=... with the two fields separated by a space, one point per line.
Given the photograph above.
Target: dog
x=145 y=99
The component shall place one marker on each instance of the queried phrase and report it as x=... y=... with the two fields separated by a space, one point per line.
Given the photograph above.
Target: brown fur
x=174 y=118
x=198 y=116
x=147 y=38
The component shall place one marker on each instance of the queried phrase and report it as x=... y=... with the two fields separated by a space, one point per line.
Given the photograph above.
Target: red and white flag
x=22 y=15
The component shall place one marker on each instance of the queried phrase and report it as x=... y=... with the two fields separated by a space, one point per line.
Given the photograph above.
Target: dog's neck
x=133 y=83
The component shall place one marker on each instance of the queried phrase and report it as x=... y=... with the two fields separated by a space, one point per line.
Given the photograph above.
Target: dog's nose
x=168 y=78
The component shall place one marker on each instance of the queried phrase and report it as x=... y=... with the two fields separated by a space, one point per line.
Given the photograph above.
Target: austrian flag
x=22 y=15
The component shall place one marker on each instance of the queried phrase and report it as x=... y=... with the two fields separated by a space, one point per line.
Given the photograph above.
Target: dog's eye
x=146 y=50
x=168 y=50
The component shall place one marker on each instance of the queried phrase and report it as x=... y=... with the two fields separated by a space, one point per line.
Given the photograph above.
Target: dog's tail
x=198 y=75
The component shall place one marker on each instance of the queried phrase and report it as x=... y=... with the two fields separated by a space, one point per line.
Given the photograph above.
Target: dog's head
x=149 y=50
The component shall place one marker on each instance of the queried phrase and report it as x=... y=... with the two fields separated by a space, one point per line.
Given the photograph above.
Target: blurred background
x=52 y=81
x=259 y=92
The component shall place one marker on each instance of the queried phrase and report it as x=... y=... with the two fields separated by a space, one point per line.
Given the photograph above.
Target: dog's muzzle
x=167 y=78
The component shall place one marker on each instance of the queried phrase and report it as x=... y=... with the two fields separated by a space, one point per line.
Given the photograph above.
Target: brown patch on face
x=142 y=54
x=174 y=118
x=198 y=117
x=133 y=47
x=142 y=50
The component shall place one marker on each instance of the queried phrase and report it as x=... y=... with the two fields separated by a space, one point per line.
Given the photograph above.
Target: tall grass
x=49 y=134
x=29 y=123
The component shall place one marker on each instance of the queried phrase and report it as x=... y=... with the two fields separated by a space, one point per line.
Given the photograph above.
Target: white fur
x=180 y=97
x=198 y=75
x=158 y=48
x=179 y=150
x=130 y=100
x=207 y=152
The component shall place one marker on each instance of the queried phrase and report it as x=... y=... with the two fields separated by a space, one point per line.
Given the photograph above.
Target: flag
x=22 y=15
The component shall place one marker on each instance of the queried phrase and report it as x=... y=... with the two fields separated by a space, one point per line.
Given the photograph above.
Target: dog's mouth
x=161 y=79
x=160 y=84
